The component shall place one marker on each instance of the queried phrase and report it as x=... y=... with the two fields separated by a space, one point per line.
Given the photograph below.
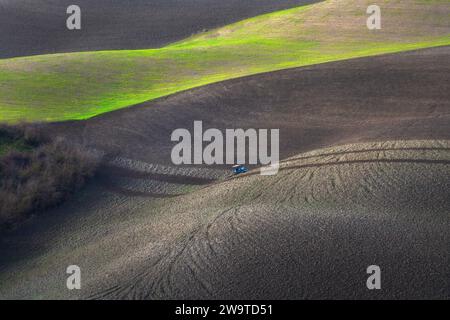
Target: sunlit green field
x=81 y=85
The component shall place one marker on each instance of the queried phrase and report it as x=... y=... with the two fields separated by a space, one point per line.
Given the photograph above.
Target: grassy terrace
x=82 y=85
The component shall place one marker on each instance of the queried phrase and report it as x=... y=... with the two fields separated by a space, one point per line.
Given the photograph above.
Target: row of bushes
x=41 y=175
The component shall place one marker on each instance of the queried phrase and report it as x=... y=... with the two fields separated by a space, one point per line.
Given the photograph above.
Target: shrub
x=40 y=176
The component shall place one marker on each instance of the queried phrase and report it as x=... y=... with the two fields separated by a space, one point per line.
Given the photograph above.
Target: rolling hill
x=364 y=142
x=307 y=233
x=398 y=96
x=32 y=27
x=81 y=85
x=377 y=194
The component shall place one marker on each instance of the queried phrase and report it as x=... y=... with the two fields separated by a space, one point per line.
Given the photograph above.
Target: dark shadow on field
x=108 y=173
x=17 y=244
x=111 y=171
x=134 y=193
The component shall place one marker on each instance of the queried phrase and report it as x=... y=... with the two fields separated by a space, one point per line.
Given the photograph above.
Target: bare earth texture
x=30 y=27
x=366 y=181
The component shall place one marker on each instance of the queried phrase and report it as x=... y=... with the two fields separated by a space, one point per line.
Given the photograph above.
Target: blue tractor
x=239 y=169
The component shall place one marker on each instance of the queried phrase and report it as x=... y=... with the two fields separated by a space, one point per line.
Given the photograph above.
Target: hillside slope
x=82 y=85
x=308 y=232
x=396 y=96
x=31 y=27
